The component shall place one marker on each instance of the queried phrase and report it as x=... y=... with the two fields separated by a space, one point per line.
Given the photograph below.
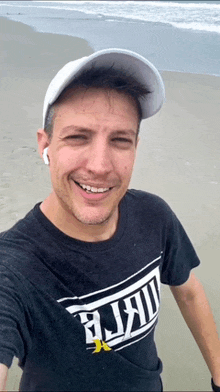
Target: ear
x=42 y=140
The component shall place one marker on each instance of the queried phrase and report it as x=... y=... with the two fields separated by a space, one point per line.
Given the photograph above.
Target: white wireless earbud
x=45 y=157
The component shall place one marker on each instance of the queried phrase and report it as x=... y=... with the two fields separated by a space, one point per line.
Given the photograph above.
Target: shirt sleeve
x=15 y=318
x=179 y=254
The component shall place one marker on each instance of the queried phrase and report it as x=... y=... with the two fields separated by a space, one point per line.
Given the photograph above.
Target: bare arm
x=197 y=313
x=3 y=377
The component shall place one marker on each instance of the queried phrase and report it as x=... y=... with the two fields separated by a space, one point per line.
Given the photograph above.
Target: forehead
x=97 y=100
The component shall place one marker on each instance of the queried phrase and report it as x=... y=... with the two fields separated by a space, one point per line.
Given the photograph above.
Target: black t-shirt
x=80 y=316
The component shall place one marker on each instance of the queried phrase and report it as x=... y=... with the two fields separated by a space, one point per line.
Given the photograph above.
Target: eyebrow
x=74 y=128
x=126 y=132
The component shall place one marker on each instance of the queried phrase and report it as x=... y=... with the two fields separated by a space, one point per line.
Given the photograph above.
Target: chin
x=93 y=218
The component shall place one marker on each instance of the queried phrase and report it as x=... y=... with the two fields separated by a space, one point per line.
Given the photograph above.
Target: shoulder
x=22 y=226
x=23 y=231
x=18 y=242
x=148 y=204
x=144 y=196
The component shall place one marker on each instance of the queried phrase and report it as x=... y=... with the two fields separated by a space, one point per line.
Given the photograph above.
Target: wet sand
x=177 y=158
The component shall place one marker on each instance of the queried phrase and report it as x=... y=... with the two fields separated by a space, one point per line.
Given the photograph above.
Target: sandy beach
x=177 y=158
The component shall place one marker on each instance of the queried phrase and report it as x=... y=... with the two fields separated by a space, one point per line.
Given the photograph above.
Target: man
x=81 y=273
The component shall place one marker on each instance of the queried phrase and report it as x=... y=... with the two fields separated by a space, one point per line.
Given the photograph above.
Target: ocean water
x=176 y=35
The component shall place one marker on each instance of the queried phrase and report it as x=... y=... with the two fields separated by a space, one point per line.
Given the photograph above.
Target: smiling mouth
x=90 y=189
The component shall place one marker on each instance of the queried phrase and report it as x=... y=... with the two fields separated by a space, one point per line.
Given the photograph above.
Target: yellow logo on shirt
x=99 y=345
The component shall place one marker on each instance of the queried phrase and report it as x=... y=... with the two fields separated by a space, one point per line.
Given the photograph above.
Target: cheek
x=126 y=168
x=65 y=161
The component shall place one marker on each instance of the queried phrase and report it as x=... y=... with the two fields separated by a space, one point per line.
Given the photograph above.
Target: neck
x=70 y=226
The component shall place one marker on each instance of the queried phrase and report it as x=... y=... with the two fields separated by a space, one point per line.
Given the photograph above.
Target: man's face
x=93 y=145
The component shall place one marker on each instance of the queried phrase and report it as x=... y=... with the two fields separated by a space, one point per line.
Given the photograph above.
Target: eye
x=76 y=137
x=75 y=140
x=122 y=140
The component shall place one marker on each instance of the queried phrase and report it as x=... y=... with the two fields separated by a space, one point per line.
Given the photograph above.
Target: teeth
x=93 y=189
x=85 y=187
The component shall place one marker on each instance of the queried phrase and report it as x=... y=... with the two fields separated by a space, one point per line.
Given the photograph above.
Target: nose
x=99 y=160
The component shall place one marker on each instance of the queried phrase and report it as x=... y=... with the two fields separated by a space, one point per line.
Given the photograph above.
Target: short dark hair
x=101 y=78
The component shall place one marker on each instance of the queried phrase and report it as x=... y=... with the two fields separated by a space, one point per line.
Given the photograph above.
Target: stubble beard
x=93 y=220
x=83 y=218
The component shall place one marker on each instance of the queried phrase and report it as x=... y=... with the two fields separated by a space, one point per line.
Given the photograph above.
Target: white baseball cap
x=140 y=68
